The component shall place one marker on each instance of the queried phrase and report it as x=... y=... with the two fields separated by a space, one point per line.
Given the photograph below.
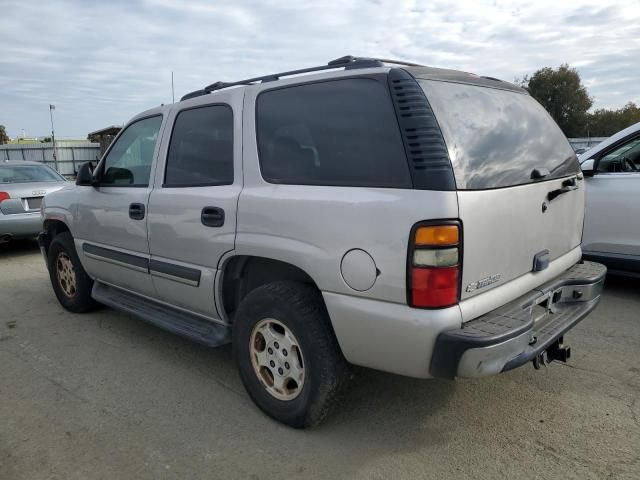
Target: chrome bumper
x=522 y=330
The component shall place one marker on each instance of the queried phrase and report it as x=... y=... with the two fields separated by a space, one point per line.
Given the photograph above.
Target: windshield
x=497 y=138
x=28 y=174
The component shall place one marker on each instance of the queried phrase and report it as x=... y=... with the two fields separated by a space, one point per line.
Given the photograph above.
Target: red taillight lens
x=434 y=287
x=434 y=266
x=4 y=196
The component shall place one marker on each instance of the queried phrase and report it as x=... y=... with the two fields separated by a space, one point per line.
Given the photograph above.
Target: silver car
x=415 y=220
x=612 y=216
x=22 y=187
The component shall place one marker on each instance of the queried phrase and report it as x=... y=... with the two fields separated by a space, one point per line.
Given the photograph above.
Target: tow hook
x=556 y=352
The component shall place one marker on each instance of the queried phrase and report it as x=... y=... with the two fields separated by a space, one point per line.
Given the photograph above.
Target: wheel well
x=53 y=228
x=243 y=273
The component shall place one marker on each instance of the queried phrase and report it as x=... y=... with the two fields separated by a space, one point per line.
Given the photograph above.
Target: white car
x=612 y=219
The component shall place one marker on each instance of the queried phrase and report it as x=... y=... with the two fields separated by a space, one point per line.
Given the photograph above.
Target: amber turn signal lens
x=437 y=235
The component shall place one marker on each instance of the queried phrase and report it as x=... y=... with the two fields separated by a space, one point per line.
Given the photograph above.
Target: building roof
x=112 y=130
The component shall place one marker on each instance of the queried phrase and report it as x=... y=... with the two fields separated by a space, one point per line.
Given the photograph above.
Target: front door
x=192 y=210
x=612 y=219
x=112 y=216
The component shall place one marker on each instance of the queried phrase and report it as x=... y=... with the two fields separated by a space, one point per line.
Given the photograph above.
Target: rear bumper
x=522 y=330
x=20 y=225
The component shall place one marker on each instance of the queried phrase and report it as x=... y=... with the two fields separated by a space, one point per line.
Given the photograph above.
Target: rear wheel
x=287 y=354
x=70 y=282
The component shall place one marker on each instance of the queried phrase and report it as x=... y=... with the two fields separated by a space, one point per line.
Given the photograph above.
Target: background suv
x=420 y=221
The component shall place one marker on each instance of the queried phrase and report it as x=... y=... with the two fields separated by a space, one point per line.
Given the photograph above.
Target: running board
x=194 y=327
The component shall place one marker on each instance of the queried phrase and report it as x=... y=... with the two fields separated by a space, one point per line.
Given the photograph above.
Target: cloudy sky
x=100 y=62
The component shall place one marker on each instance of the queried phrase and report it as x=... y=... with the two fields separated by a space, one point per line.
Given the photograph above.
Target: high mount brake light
x=434 y=266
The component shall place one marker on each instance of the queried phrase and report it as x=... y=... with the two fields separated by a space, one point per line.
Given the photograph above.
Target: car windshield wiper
x=567 y=186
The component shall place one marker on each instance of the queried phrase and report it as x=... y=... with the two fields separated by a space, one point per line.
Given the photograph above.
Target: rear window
x=27 y=174
x=201 y=148
x=340 y=132
x=496 y=138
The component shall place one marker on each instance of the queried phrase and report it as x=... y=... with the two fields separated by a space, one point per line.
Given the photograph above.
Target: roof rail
x=347 y=62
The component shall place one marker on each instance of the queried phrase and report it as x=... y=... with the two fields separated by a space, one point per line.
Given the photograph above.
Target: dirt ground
x=106 y=396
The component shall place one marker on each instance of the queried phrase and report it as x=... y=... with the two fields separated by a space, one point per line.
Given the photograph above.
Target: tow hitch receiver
x=557 y=351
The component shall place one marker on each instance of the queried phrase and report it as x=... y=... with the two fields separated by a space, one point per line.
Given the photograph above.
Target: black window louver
x=423 y=142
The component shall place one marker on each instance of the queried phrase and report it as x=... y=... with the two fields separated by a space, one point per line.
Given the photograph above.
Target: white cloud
x=102 y=62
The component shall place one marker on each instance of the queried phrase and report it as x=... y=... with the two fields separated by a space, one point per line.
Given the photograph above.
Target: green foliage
x=603 y=122
x=4 y=138
x=563 y=95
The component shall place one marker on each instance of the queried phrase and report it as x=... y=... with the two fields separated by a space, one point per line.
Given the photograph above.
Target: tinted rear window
x=201 y=148
x=341 y=132
x=28 y=173
x=496 y=138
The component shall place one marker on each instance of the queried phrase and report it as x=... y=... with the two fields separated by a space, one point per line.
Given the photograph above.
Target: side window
x=340 y=132
x=201 y=148
x=128 y=163
x=625 y=158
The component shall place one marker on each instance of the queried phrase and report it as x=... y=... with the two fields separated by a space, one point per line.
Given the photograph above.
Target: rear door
x=520 y=192
x=192 y=210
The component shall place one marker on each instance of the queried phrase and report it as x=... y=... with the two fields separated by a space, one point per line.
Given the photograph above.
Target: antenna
x=173 y=95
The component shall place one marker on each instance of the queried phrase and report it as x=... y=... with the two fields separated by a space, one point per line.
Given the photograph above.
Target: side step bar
x=194 y=327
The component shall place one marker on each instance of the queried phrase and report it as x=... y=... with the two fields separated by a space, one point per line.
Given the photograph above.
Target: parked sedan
x=22 y=186
x=612 y=219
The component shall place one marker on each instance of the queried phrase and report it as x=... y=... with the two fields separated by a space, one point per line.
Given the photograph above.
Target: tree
x=4 y=138
x=603 y=122
x=562 y=94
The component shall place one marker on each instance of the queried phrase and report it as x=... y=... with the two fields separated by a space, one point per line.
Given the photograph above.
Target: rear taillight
x=4 y=196
x=434 y=265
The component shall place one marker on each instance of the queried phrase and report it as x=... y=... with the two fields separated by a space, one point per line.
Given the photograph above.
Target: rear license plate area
x=545 y=305
x=34 y=203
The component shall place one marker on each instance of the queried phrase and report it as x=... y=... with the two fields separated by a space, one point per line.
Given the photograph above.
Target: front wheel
x=71 y=284
x=287 y=354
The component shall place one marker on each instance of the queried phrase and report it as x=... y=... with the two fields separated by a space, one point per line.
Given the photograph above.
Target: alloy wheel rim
x=277 y=359
x=66 y=275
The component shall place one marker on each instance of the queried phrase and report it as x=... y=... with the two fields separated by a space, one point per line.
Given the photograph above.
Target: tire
x=299 y=308
x=77 y=299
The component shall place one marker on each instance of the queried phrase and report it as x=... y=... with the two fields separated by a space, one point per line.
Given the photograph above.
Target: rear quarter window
x=339 y=132
x=496 y=137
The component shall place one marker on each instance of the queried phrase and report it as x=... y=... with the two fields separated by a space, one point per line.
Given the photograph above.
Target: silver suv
x=415 y=220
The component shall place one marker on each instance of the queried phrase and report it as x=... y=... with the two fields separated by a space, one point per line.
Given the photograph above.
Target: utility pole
x=53 y=136
x=173 y=97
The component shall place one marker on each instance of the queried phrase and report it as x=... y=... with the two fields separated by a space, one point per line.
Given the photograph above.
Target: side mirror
x=588 y=167
x=85 y=175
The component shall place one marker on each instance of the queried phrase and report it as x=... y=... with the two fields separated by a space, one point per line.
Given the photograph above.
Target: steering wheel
x=629 y=165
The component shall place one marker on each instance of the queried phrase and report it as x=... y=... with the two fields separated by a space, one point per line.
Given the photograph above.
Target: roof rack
x=347 y=62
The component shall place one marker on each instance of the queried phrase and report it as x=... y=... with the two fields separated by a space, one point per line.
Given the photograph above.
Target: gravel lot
x=107 y=396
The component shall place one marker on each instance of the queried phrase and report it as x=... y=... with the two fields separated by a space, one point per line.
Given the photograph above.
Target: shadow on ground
x=18 y=248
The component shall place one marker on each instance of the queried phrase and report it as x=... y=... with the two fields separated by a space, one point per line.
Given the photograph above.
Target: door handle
x=212 y=216
x=136 y=211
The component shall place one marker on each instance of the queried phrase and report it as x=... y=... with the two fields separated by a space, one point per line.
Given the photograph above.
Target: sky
x=101 y=62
